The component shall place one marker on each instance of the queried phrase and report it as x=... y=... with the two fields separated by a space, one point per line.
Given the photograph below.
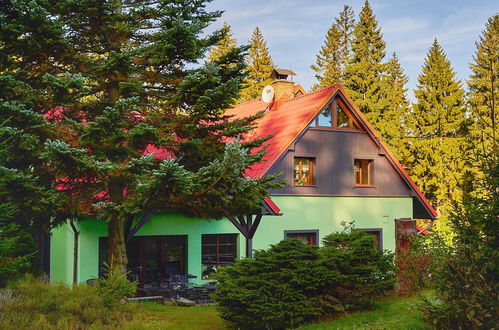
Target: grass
x=388 y=313
x=156 y=316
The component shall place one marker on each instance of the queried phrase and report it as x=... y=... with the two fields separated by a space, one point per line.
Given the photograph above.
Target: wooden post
x=75 y=250
x=249 y=247
x=405 y=229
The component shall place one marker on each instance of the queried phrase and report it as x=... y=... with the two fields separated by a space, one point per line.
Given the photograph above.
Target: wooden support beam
x=254 y=226
x=139 y=225
x=237 y=224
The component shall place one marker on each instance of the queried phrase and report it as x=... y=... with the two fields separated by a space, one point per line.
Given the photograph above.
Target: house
x=337 y=170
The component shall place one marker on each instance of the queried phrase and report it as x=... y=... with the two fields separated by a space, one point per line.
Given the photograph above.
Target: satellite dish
x=268 y=94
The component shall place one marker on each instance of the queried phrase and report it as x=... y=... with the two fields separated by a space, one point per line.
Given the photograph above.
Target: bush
x=114 y=286
x=465 y=274
x=365 y=272
x=33 y=304
x=276 y=289
x=292 y=283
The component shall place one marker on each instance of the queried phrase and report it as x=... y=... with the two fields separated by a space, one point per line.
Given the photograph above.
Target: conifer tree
x=364 y=72
x=259 y=68
x=396 y=125
x=121 y=99
x=484 y=90
x=437 y=165
x=333 y=57
x=327 y=66
x=225 y=45
x=345 y=24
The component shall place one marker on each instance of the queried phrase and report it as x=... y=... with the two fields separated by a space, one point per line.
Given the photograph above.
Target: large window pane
x=325 y=118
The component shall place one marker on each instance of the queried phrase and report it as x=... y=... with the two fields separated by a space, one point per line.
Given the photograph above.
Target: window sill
x=305 y=185
x=364 y=186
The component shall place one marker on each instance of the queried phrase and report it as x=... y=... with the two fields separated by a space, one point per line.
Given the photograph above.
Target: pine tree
x=364 y=72
x=121 y=98
x=484 y=94
x=225 y=45
x=259 y=68
x=327 y=65
x=333 y=57
x=396 y=125
x=437 y=165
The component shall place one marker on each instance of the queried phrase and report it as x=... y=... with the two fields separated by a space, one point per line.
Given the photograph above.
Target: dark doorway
x=152 y=259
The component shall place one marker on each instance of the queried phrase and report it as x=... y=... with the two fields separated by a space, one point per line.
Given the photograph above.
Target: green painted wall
x=299 y=213
x=61 y=254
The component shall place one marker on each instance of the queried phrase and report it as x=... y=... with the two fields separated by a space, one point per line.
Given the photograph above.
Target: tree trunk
x=116 y=246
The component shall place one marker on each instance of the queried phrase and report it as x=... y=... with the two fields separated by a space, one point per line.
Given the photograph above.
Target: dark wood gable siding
x=334 y=152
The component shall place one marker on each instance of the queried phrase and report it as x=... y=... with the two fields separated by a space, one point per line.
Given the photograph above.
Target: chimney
x=283 y=88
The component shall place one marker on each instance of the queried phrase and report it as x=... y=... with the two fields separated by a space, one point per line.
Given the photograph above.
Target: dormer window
x=335 y=116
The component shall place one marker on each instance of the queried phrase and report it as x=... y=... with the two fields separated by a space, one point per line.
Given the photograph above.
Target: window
x=304 y=171
x=376 y=233
x=325 y=119
x=309 y=237
x=342 y=120
x=219 y=249
x=334 y=116
x=363 y=172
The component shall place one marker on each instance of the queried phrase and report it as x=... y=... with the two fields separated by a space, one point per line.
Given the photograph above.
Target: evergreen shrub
x=114 y=286
x=466 y=274
x=291 y=283
x=364 y=271
x=32 y=304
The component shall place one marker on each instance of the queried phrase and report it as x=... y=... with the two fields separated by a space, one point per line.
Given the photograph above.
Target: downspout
x=75 y=250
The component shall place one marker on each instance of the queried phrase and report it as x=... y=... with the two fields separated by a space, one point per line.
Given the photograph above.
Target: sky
x=295 y=29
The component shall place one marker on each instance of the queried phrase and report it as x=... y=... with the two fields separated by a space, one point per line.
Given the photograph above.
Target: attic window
x=334 y=116
x=342 y=120
x=363 y=172
x=304 y=171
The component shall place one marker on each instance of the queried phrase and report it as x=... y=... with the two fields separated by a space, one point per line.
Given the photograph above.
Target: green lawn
x=388 y=313
x=157 y=316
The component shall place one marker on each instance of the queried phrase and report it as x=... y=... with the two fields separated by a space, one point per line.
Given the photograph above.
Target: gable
x=289 y=120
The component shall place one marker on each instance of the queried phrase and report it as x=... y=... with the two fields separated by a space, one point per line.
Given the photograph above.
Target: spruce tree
x=225 y=45
x=327 y=66
x=121 y=98
x=437 y=164
x=333 y=57
x=364 y=72
x=259 y=68
x=396 y=124
x=345 y=24
x=483 y=87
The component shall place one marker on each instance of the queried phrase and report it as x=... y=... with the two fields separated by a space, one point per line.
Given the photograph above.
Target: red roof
x=286 y=120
